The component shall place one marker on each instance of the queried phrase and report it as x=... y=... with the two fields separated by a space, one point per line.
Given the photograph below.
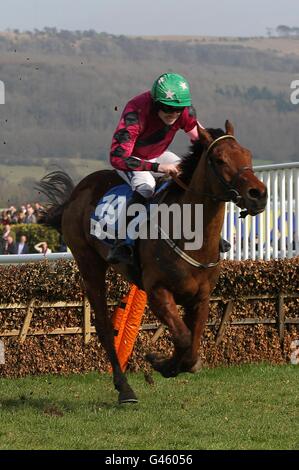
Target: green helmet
x=171 y=89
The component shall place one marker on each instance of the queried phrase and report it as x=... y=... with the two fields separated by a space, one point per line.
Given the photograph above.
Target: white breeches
x=144 y=181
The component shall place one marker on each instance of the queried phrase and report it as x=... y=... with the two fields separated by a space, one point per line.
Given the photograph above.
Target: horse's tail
x=57 y=186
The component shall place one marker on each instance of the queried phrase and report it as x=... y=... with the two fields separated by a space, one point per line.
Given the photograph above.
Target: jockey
x=139 y=149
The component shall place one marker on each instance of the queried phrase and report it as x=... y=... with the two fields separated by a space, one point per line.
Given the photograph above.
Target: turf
x=241 y=407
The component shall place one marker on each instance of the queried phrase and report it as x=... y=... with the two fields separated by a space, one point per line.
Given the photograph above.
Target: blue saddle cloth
x=109 y=211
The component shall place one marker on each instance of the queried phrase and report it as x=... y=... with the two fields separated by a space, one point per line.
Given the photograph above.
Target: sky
x=152 y=17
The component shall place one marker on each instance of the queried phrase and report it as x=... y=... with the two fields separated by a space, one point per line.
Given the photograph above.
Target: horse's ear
x=204 y=137
x=229 y=128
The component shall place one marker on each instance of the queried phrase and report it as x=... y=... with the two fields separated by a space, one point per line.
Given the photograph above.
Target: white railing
x=274 y=233
x=32 y=258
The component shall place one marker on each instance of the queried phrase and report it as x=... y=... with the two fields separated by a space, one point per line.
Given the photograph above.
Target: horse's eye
x=220 y=162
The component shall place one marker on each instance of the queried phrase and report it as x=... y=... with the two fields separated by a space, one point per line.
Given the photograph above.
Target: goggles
x=170 y=109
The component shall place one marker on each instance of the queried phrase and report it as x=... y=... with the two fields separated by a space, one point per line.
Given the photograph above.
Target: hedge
x=61 y=281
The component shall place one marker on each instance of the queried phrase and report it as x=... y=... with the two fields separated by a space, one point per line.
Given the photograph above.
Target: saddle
x=109 y=211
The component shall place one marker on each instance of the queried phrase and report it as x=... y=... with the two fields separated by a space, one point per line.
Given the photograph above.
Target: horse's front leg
x=196 y=317
x=162 y=303
x=93 y=270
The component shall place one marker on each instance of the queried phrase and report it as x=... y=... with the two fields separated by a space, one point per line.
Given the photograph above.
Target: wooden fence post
x=227 y=312
x=87 y=320
x=281 y=317
x=26 y=324
x=157 y=334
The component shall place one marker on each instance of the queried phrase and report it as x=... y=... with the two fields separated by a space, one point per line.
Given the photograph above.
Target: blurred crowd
x=26 y=214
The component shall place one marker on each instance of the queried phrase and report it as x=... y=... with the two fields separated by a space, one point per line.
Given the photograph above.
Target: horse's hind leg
x=93 y=270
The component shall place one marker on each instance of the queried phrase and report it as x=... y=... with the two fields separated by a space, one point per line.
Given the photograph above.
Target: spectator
x=5 y=217
x=15 y=217
x=21 y=217
x=6 y=232
x=12 y=210
x=9 y=246
x=22 y=246
x=42 y=247
x=30 y=217
x=37 y=208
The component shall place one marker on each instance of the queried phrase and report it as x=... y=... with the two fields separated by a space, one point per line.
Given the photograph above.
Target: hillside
x=279 y=45
x=65 y=92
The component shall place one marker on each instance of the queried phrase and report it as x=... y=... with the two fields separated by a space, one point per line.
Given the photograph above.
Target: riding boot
x=224 y=245
x=121 y=252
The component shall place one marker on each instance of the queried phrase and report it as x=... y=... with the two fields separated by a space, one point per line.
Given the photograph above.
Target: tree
x=283 y=30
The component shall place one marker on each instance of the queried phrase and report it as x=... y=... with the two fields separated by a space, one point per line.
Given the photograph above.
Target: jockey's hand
x=169 y=169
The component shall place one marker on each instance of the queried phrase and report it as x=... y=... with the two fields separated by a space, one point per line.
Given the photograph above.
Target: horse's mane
x=190 y=161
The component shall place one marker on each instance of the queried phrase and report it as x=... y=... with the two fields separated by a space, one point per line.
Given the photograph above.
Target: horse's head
x=229 y=171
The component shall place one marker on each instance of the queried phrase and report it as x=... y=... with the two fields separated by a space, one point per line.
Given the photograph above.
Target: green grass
x=244 y=407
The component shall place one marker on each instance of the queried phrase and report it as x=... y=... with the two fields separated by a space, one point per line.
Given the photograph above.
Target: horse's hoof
x=168 y=372
x=154 y=358
x=166 y=367
x=127 y=397
x=123 y=401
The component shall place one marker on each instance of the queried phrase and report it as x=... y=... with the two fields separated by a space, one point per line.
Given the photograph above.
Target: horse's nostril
x=254 y=193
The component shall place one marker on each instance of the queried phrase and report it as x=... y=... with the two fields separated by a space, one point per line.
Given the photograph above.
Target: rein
x=182 y=254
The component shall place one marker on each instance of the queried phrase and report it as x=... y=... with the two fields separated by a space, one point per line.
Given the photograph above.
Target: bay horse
x=216 y=170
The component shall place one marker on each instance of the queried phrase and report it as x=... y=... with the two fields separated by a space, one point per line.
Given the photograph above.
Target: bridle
x=230 y=186
x=232 y=193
